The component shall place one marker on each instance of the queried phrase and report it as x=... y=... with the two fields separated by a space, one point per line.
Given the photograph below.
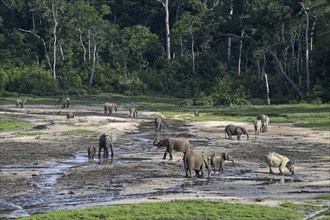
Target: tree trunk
x=240 y=52
x=82 y=44
x=267 y=89
x=193 y=52
x=229 y=37
x=167 y=28
x=93 y=66
x=55 y=40
x=306 y=47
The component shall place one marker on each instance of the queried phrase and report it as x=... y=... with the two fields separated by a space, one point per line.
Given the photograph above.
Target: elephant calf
x=193 y=160
x=177 y=144
x=235 y=130
x=276 y=160
x=257 y=126
x=104 y=142
x=20 y=103
x=158 y=123
x=218 y=161
x=110 y=107
x=69 y=115
x=133 y=112
x=264 y=122
x=91 y=152
x=196 y=113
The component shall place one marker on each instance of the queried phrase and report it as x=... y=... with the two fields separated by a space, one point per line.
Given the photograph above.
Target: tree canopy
x=222 y=52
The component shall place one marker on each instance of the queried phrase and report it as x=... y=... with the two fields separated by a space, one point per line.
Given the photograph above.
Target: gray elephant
x=69 y=115
x=264 y=122
x=104 y=142
x=276 y=160
x=20 y=103
x=110 y=107
x=91 y=152
x=257 y=126
x=218 y=161
x=235 y=130
x=193 y=160
x=64 y=102
x=158 y=123
x=178 y=144
x=133 y=112
x=196 y=113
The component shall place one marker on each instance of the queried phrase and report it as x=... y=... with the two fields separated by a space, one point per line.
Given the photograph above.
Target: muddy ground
x=45 y=169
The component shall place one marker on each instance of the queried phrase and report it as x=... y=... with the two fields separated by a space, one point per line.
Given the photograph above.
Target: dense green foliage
x=220 y=50
x=179 y=209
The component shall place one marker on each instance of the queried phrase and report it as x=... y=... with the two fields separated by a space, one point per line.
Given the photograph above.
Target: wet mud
x=51 y=171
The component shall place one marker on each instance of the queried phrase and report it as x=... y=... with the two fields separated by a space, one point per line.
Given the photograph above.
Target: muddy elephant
x=159 y=121
x=133 y=112
x=63 y=102
x=69 y=115
x=91 y=153
x=178 y=144
x=264 y=122
x=196 y=113
x=218 y=161
x=193 y=160
x=110 y=107
x=257 y=126
x=235 y=130
x=105 y=142
x=20 y=103
x=276 y=160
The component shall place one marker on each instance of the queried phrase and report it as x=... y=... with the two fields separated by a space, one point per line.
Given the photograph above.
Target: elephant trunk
x=247 y=135
x=156 y=143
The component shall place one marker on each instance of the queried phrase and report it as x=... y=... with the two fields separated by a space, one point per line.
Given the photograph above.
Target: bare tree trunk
x=192 y=51
x=44 y=44
x=93 y=66
x=55 y=40
x=229 y=37
x=61 y=51
x=267 y=89
x=89 y=43
x=167 y=28
x=306 y=47
x=82 y=44
x=240 y=52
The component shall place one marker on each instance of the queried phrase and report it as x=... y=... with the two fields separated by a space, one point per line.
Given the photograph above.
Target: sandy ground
x=138 y=173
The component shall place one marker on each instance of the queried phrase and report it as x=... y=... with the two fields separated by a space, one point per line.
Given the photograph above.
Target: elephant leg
x=171 y=157
x=99 y=152
x=270 y=170
x=111 y=151
x=221 y=166
x=238 y=136
x=165 y=155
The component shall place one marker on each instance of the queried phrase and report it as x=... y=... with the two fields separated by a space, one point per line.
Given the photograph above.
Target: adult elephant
x=63 y=102
x=105 y=143
x=264 y=122
x=20 y=103
x=276 y=160
x=218 y=161
x=110 y=107
x=195 y=161
x=178 y=144
x=133 y=112
x=235 y=130
x=159 y=121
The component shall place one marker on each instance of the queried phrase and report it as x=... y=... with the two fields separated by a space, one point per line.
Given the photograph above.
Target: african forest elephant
x=109 y=107
x=264 y=122
x=196 y=113
x=195 y=161
x=69 y=115
x=91 y=152
x=20 y=103
x=257 y=126
x=218 y=161
x=235 y=130
x=178 y=144
x=276 y=160
x=64 y=102
x=158 y=123
x=104 y=143
x=133 y=112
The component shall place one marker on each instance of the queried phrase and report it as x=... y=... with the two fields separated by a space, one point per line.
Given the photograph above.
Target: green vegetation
x=323 y=197
x=31 y=133
x=11 y=124
x=304 y=207
x=179 y=209
x=79 y=131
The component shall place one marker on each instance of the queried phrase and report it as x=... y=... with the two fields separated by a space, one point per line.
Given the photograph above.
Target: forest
x=210 y=52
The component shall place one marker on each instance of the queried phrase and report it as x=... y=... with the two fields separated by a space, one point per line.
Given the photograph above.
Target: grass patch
x=68 y=122
x=31 y=133
x=11 y=124
x=179 y=209
x=323 y=197
x=79 y=132
x=304 y=207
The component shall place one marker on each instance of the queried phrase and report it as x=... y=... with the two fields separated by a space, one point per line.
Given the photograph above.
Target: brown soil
x=137 y=173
